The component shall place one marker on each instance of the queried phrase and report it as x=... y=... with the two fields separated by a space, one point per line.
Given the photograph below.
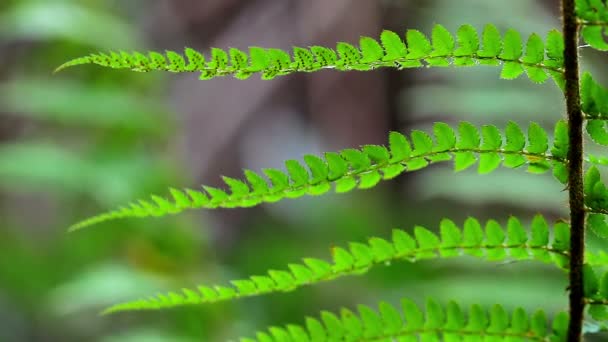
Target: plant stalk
x=575 y=168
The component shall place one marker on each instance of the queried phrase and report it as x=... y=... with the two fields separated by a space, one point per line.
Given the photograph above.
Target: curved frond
x=593 y=17
x=411 y=323
x=492 y=243
x=364 y=168
x=539 y=61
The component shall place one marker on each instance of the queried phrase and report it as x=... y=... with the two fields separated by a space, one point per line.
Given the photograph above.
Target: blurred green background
x=90 y=139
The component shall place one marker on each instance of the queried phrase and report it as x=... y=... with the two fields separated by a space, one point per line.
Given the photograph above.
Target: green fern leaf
x=603 y=286
x=468 y=44
x=591 y=283
x=176 y=61
x=349 y=56
x=597 y=160
x=418 y=45
x=371 y=50
x=597 y=131
x=337 y=166
x=594 y=100
x=538 y=139
x=512 y=45
x=390 y=52
x=516 y=140
x=593 y=15
x=594 y=36
x=555 y=48
x=277 y=61
x=597 y=224
x=535 y=52
x=393 y=46
x=455 y=321
x=561 y=143
x=511 y=70
x=492 y=141
x=324 y=57
x=196 y=61
x=399 y=146
x=492 y=45
x=491 y=244
x=239 y=61
x=365 y=168
x=591 y=99
x=591 y=10
x=304 y=59
x=511 y=52
x=443 y=46
x=555 y=57
x=259 y=59
x=411 y=323
x=444 y=136
x=468 y=140
x=423 y=144
x=297 y=173
x=596 y=293
x=596 y=197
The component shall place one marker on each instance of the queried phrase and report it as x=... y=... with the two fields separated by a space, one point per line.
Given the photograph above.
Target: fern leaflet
x=364 y=168
x=596 y=259
x=593 y=16
x=596 y=293
x=390 y=51
x=411 y=323
x=594 y=102
x=492 y=243
x=596 y=201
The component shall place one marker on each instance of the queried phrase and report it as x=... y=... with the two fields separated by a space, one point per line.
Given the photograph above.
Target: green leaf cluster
x=411 y=323
x=364 y=168
x=593 y=15
x=540 y=60
x=492 y=242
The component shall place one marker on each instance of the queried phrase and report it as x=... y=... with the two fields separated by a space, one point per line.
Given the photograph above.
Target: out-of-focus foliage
x=71 y=143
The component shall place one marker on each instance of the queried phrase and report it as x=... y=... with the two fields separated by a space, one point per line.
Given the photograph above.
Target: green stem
x=575 y=168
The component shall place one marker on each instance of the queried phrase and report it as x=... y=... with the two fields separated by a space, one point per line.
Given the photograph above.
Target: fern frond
x=593 y=17
x=391 y=51
x=411 y=323
x=493 y=243
x=364 y=168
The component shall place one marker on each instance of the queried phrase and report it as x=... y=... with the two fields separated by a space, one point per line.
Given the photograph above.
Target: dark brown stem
x=575 y=168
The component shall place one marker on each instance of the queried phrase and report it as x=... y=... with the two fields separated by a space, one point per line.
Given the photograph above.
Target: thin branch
x=575 y=168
